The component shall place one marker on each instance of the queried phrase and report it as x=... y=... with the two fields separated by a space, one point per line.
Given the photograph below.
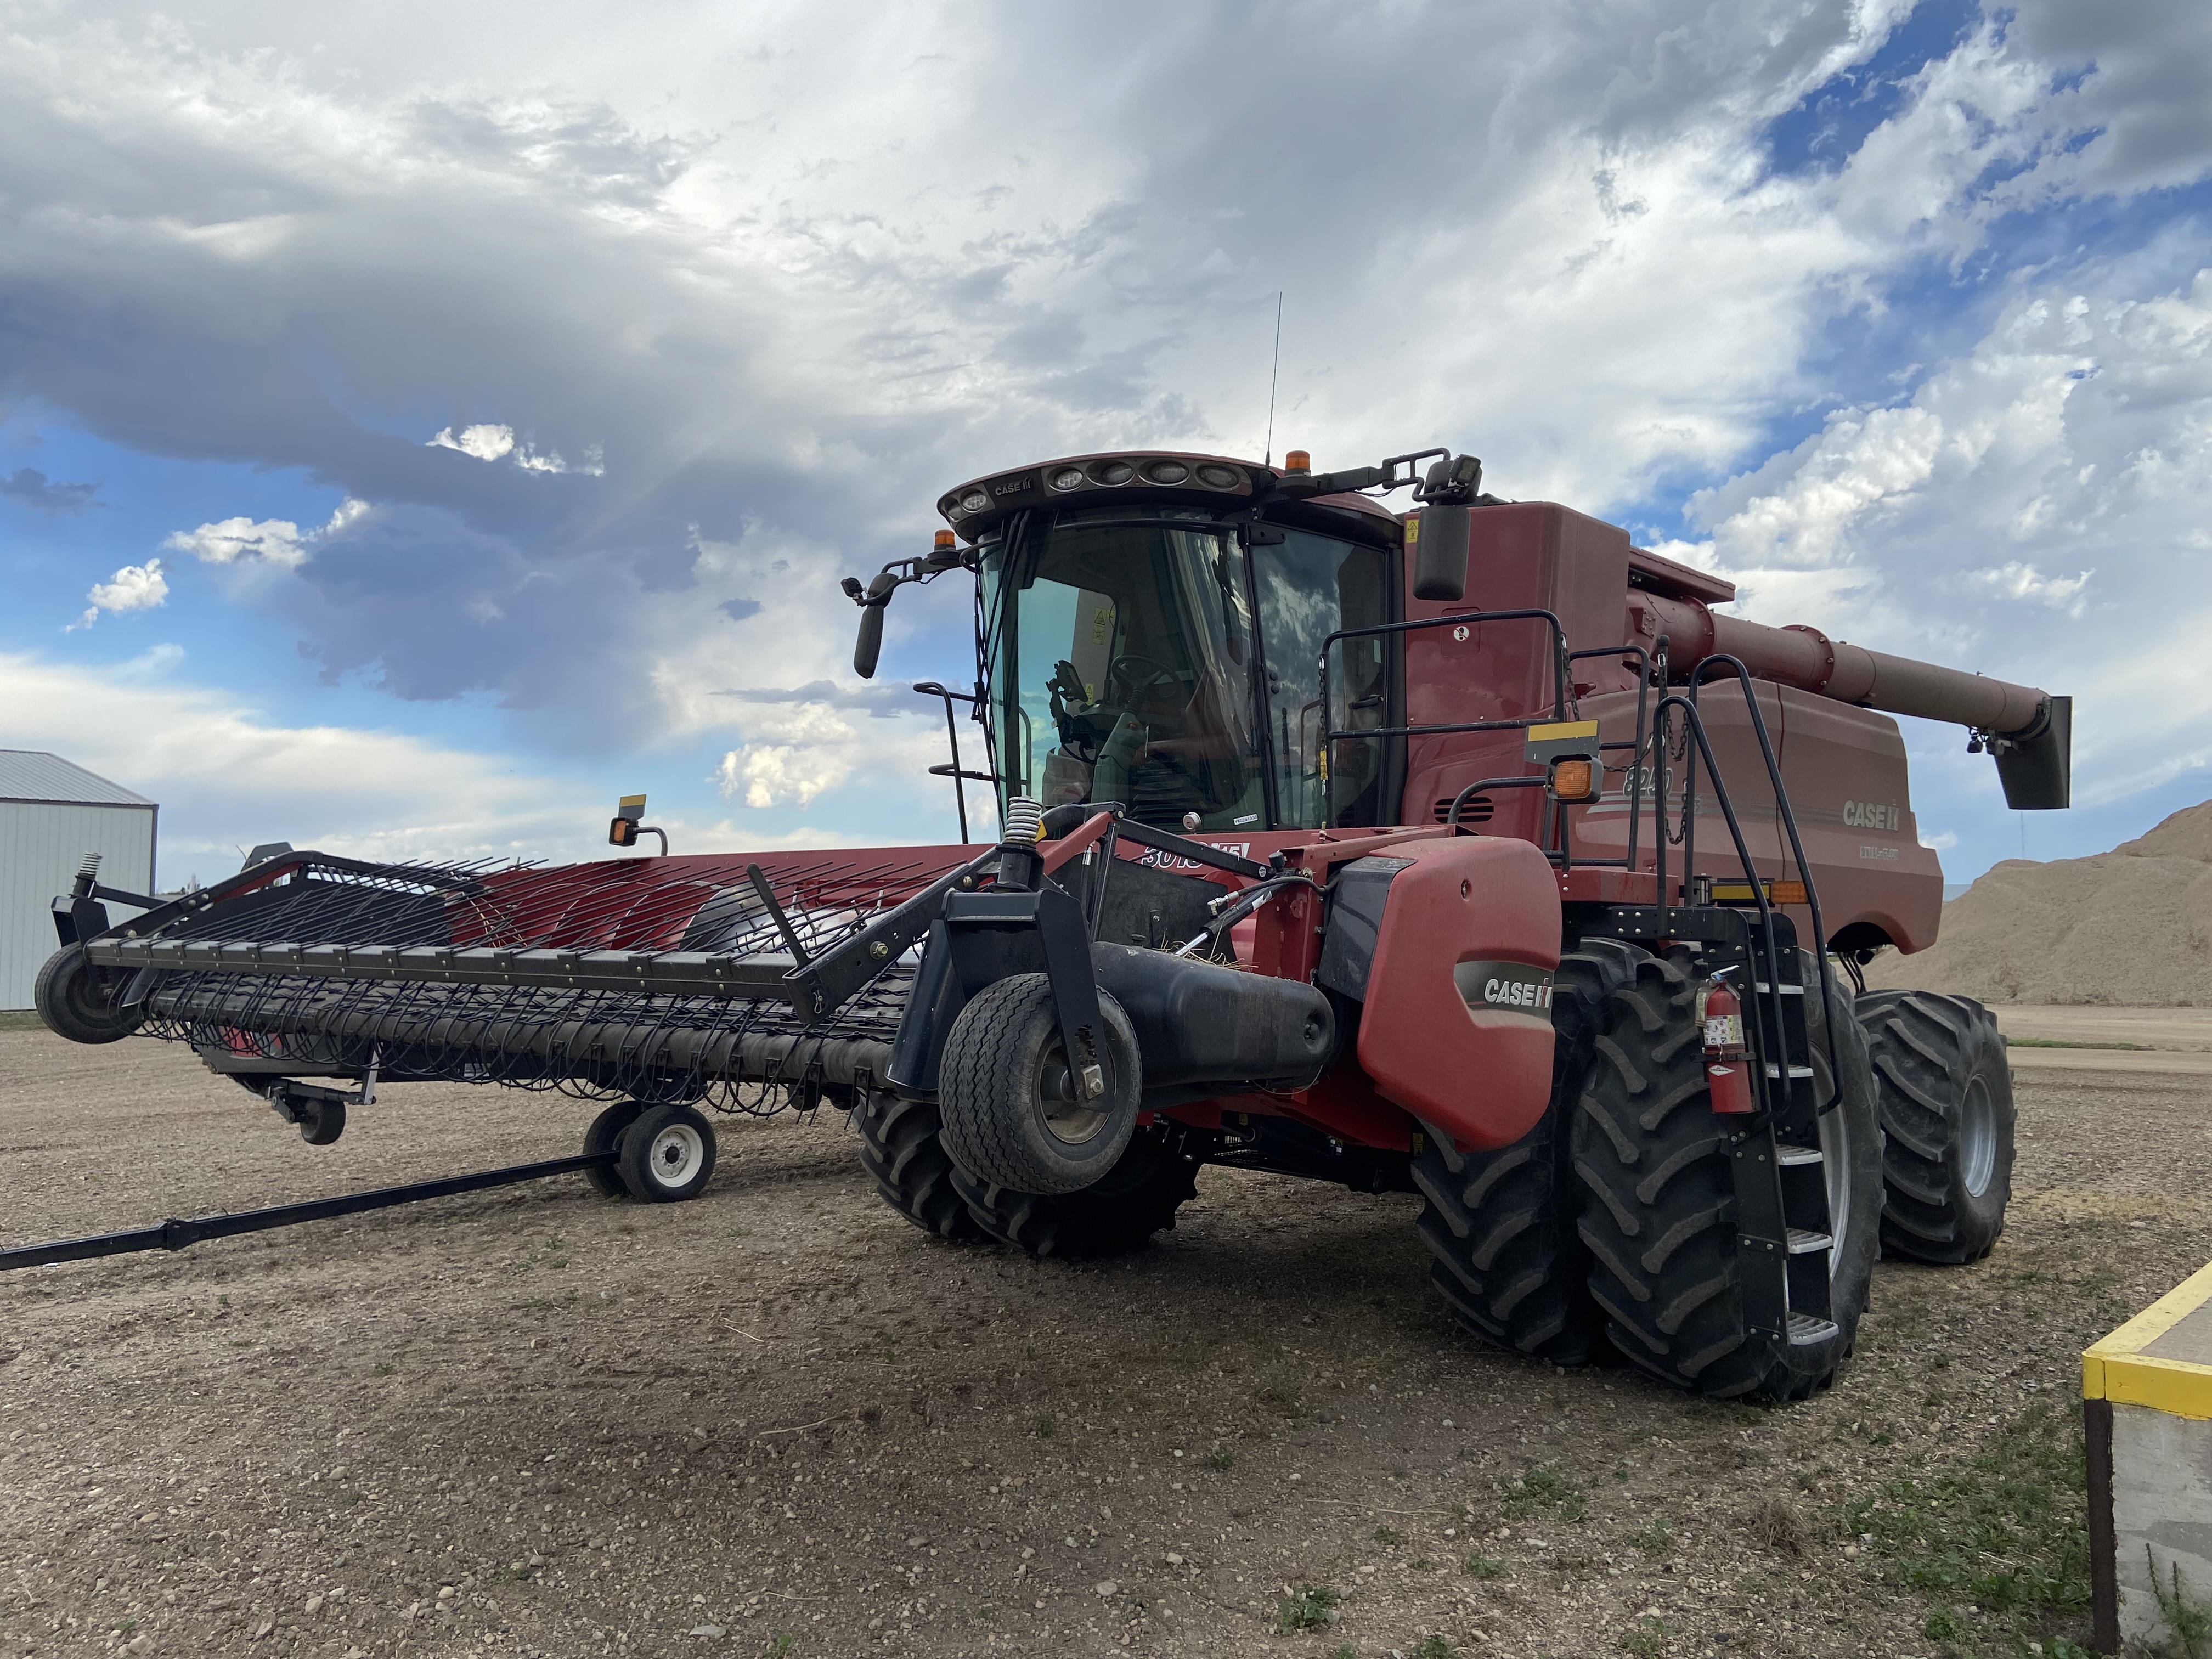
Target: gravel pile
x=2131 y=927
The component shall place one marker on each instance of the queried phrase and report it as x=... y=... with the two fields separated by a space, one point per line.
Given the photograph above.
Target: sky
x=420 y=425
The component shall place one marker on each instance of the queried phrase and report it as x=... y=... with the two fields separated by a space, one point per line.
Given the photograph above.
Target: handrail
x=1771 y=1005
x=932 y=689
x=1330 y=735
x=1789 y=816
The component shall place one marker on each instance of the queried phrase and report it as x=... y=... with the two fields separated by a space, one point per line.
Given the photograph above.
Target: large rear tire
x=901 y=1149
x=1136 y=1199
x=1501 y=1225
x=1661 y=1222
x=1946 y=1107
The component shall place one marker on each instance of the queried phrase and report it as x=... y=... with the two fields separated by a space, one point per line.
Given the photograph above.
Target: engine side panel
x=1456 y=1026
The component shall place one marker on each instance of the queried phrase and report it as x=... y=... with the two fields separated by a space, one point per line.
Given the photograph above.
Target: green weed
x=1042 y=1428
x=1657 y=1539
x=1647 y=1638
x=1388 y=1536
x=1543 y=1489
x=1220 y=1458
x=1483 y=1566
x=2003 y=1531
x=1309 y=1606
x=2190 y=1619
x=1433 y=1647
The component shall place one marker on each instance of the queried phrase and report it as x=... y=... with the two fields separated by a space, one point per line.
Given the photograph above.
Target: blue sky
x=501 y=424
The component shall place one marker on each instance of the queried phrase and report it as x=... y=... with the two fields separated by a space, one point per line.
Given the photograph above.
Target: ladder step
x=1787 y=990
x=1804 y=1241
x=1773 y=1070
x=1790 y=1158
x=1805 y=1329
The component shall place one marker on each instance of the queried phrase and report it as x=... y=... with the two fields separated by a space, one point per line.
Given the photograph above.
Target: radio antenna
x=1274 y=366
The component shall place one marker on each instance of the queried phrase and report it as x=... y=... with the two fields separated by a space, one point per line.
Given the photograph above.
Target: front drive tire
x=1946 y=1090
x=667 y=1155
x=1501 y=1224
x=1007 y=1098
x=902 y=1149
x=1116 y=1214
x=1660 y=1214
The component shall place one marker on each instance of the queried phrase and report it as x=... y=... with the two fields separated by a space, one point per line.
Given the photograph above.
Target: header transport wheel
x=77 y=999
x=1946 y=1107
x=1660 y=1213
x=667 y=1155
x=1501 y=1224
x=606 y=1136
x=1013 y=1111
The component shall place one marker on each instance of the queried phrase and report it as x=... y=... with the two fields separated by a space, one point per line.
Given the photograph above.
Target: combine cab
x=1466 y=852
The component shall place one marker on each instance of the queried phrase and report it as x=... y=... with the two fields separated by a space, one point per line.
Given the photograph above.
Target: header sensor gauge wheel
x=1012 y=1108
x=75 y=999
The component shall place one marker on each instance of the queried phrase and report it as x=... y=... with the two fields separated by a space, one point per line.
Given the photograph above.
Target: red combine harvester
x=1467 y=852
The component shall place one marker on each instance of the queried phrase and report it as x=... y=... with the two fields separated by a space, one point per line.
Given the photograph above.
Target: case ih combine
x=1467 y=853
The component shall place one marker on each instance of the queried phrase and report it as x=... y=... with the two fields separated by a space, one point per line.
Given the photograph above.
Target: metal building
x=51 y=814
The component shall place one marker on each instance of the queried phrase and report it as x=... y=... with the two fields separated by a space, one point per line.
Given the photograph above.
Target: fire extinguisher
x=1728 y=1062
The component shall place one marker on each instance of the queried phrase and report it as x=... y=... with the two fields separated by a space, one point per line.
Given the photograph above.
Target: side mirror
x=870 y=645
x=1440 y=537
x=1437 y=538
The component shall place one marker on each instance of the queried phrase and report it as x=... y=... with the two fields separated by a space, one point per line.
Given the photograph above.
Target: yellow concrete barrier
x=2146 y=1395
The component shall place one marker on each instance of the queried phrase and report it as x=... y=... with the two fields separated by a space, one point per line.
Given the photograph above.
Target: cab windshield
x=1125 y=665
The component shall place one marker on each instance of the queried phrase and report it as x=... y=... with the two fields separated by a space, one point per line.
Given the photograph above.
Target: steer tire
x=1501 y=1224
x=75 y=998
x=1121 y=1212
x=1946 y=1107
x=1660 y=1212
x=901 y=1149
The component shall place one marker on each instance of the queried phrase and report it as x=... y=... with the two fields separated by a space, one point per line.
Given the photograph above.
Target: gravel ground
x=781 y=1421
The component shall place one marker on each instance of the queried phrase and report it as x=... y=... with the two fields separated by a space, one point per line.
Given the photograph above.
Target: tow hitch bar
x=175 y=1235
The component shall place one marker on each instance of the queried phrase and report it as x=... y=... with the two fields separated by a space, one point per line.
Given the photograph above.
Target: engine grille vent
x=1475 y=809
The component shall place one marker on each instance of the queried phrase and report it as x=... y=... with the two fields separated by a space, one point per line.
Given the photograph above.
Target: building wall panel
x=41 y=845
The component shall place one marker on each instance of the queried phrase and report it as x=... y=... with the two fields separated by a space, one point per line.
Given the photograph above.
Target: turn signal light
x=1572 y=778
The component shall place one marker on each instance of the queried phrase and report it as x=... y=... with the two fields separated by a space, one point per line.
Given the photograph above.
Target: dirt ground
x=779 y=1421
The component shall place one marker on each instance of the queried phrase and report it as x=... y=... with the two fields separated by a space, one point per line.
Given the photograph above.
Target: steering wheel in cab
x=1130 y=679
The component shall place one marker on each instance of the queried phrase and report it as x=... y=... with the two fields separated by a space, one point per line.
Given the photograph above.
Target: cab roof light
x=1297 y=461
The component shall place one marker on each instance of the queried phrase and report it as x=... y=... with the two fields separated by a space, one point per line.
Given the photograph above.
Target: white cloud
x=134 y=587
x=2024 y=581
x=278 y=542
x=492 y=443
x=802 y=751
x=2077 y=433
x=484 y=443
x=226 y=775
